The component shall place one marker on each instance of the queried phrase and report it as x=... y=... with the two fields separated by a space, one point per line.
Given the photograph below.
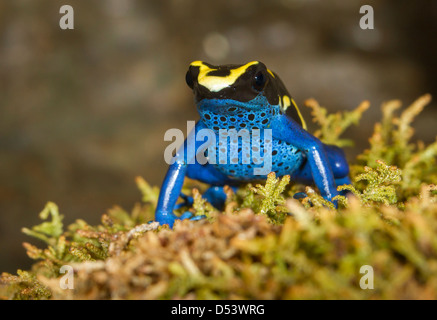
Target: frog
x=248 y=97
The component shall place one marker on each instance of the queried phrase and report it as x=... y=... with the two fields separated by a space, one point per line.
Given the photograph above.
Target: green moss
x=391 y=143
x=380 y=187
x=333 y=125
x=267 y=199
x=265 y=244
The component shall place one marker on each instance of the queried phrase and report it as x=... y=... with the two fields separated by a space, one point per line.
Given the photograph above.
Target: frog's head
x=239 y=96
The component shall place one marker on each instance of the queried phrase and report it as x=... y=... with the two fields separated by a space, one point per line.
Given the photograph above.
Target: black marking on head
x=220 y=72
x=254 y=80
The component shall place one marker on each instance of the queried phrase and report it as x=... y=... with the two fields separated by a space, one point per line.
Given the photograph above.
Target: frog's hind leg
x=214 y=195
x=343 y=181
x=217 y=196
x=187 y=201
x=338 y=163
x=209 y=174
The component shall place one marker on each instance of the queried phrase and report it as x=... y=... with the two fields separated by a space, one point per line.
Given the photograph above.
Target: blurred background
x=84 y=111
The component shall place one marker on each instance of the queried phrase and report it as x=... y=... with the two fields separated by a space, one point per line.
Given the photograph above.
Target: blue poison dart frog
x=251 y=97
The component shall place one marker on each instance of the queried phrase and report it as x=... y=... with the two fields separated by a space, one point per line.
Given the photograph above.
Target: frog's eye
x=189 y=79
x=259 y=81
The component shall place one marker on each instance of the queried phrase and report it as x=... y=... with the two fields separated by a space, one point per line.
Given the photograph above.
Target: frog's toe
x=188 y=201
x=186 y=215
x=171 y=218
x=189 y=215
x=300 y=195
x=166 y=218
x=196 y=218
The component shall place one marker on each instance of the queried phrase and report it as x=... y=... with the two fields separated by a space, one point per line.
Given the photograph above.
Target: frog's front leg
x=286 y=129
x=174 y=179
x=169 y=193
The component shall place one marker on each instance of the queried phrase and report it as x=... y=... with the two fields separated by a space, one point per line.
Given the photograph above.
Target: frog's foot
x=343 y=181
x=216 y=196
x=300 y=195
x=171 y=218
x=188 y=201
x=189 y=215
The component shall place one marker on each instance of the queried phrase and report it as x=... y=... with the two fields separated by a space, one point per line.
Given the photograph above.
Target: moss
x=380 y=188
x=265 y=244
x=333 y=125
x=391 y=143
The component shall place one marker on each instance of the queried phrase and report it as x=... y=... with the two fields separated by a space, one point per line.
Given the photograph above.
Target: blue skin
x=295 y=152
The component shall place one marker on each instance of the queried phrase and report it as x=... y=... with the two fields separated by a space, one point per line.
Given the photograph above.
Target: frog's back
x=285 y=159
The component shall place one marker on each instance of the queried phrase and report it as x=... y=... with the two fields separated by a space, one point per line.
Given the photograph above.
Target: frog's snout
x=191 y=77
x=192 y=80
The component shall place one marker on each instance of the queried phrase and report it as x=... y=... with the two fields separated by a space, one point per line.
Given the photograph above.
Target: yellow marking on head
x=286 y=102
x=216 y=83
x=269 y=71
x=304 y=124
